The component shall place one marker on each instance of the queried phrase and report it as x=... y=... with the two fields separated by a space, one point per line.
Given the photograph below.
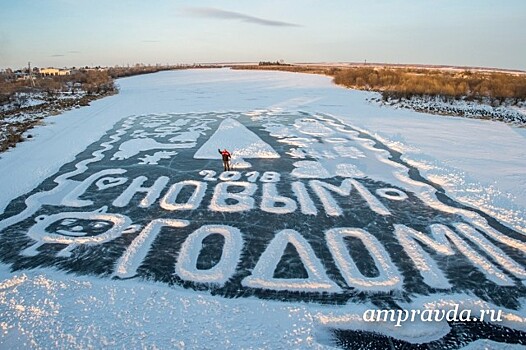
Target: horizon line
x=313 y=63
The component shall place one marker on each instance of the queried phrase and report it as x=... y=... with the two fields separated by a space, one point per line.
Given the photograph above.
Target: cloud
x=210 y=12
x=73 y=51
x=151 y=41
x=57 y=55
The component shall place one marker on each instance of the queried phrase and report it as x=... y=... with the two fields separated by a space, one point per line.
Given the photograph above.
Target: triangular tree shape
x=239 y=141
x=263 y=273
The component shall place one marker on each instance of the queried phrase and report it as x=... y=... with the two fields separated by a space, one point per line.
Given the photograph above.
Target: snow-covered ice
x=345 y=206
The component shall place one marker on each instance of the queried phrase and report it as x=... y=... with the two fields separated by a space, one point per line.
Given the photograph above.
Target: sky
x=76 y=33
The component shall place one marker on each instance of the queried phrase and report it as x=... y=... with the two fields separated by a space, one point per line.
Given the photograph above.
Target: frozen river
x=119 y=220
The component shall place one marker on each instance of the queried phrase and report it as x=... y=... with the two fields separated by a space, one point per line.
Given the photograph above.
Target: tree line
x=397 y=83
x=92 y=82
x=408 y=82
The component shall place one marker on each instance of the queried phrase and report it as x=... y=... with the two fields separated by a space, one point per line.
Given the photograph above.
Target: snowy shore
x=514 y=115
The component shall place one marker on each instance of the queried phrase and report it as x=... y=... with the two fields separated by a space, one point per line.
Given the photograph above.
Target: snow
x=262 y=276
x=508 y=112
x=39 y=233
x=388 y=275
x=441 y=245
x=244 y=201
x=271 y=197
x=130 y=148
x=420 y=331
x=24 y=99
x=59 y=311
x=480 y=163
x=239 y=141
x=169 y=202
x=308 y=169
x=221 y=272
x=136 y=252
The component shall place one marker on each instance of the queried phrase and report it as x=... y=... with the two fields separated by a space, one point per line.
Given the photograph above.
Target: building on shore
x=49 y=72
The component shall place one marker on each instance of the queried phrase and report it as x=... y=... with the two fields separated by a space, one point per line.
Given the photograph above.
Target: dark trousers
x=226 y=165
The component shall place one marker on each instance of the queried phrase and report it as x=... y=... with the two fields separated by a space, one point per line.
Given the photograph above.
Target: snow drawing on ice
x=323 y=213
x=133 y=147
x=239 y=141
x=156 y=157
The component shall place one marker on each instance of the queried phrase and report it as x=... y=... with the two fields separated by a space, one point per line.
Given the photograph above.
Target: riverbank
x=514 y=115
x=25 y=103
x=16 y=123
x=479 y=93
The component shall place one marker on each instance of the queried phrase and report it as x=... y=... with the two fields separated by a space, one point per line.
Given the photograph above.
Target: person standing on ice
x=226 y=158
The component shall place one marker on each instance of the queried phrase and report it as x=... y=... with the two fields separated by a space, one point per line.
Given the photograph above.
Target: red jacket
x=226 y=155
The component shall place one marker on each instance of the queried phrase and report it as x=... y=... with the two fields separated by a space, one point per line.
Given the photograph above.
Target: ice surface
x=58 y=311
x=161 y=121
x=497 y=151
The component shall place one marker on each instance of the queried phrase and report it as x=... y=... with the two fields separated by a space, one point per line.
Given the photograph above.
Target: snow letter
x=186 y=266
x=428 y=268
x=432 y=275
x=495 y=252
x=169 y=200
x=388 y=279
x=329 y=204
x=152 y=193
x=136 y=252
x=263 y=273
x=371 y=200
x=271 y=197
x=243 y=199
x=306 y=204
